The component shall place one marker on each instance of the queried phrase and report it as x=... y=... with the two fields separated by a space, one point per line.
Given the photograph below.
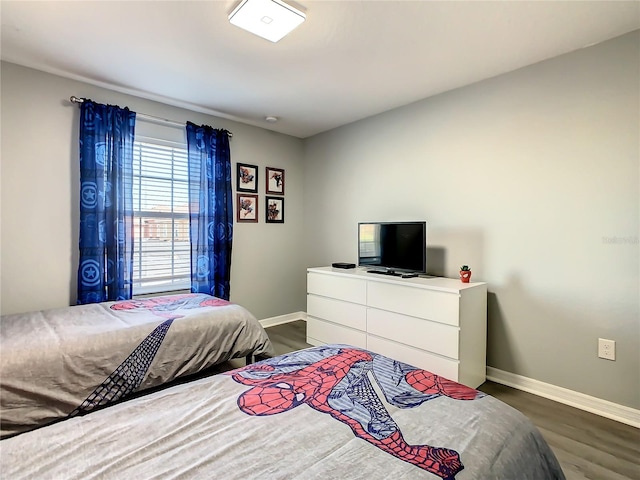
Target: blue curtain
x=106 y=203
x=210 y=210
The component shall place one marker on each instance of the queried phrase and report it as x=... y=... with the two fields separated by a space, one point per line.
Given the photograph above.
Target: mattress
x=69 y=361
x=329 y=412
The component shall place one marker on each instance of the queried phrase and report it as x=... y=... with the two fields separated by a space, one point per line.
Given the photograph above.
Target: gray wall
x=39 y=198
x=532 y=179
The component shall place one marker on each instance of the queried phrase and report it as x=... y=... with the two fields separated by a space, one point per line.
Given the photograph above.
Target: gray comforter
x=331 y=412
x=69 y=361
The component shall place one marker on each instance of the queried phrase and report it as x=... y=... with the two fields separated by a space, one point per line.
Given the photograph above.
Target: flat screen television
x=393 y=246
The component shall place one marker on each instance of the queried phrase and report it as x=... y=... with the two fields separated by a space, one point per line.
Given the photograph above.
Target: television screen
x=394 y=246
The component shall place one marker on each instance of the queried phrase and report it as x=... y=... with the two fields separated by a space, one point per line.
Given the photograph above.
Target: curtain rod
x=147 y=117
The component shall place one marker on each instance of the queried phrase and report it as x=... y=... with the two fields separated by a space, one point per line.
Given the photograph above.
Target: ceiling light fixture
x=269 y=19
x=271 y=119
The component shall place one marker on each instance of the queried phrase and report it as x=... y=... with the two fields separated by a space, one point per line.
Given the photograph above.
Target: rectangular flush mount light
x=270 y=19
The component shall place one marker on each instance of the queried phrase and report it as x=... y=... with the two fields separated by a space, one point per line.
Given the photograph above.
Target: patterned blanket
x=65 y=362
x=330 y=412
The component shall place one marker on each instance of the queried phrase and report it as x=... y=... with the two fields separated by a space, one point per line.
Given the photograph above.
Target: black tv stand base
x=393 y=273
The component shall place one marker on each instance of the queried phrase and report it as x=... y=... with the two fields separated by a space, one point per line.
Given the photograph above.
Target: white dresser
x=437 y=324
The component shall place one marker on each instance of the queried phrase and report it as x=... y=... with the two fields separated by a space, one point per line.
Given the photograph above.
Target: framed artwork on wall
x=274 y=207
x=275 y=180
x=247 y=208
x=247 y=176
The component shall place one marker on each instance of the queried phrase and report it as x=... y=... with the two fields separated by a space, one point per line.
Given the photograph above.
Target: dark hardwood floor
x=588 y=446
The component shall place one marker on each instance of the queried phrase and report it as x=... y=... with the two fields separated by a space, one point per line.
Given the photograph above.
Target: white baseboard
x=604 y=408
x=289 y=317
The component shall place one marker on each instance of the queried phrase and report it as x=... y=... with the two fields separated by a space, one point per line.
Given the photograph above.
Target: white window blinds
x=161 y=216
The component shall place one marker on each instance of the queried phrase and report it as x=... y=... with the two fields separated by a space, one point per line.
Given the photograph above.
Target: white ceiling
x=349 y=60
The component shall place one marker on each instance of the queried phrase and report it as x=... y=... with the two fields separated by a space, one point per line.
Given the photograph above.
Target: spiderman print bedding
x=329 y=412
x=66 y=362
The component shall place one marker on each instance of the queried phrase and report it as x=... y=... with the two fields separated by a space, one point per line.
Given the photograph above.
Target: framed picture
x=247 y=176
x=274 y=207
x=275 y=181
x=247 y=209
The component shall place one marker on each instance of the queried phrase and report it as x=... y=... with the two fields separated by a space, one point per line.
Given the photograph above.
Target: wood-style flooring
x=588 y=446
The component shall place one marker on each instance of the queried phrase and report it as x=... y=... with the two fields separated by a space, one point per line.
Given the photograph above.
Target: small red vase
x=465 y=276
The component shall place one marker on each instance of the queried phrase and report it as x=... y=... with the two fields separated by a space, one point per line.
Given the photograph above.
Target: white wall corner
x=289 y=317
x=604 y=408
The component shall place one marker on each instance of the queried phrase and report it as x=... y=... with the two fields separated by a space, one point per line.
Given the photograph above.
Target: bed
x=330 y=412
x=69 y=361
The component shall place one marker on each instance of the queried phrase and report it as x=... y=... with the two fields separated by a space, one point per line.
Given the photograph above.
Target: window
x=369 y=242
x=161 y=252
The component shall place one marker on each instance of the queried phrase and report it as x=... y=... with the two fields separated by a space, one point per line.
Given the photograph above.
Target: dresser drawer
x=440 y=307
x=444 y=367
x=341 y=288
x=326 y=332
x=344 y=313
x=431 y=336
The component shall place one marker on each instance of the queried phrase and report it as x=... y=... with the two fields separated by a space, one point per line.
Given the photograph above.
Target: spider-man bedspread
x=330 y=412
x=69 y=361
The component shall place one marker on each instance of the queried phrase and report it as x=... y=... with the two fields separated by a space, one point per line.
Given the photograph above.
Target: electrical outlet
x=606 y=349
